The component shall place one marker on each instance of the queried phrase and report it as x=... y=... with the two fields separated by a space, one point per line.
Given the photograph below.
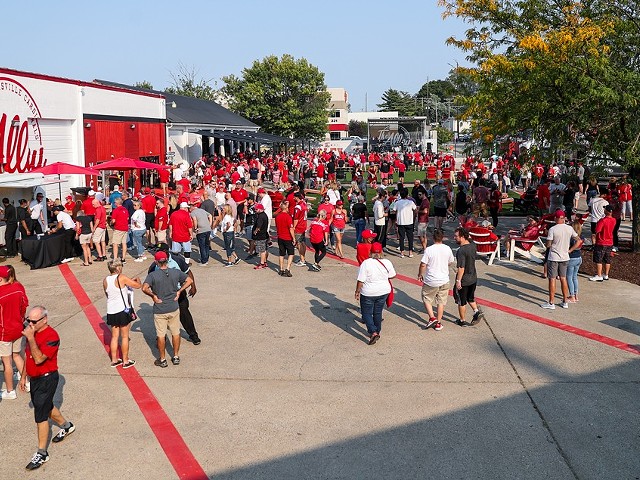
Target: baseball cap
x=238 y=181
x=147 y=190
x=259 y=206
x=368 y=234
x=376 y=247
x=339 y=202
x=608 y=208
x=91 y=193
x=68 y=197
x=160 y=256
x=560 y=213
x=184 y=205
x=262 y=190
x=4 y=271
x=116 y=188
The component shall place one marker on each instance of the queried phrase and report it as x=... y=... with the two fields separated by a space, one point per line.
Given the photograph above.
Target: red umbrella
x=124 y=163
x=61 y=168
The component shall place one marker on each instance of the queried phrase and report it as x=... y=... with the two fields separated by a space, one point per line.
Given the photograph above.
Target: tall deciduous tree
x=144 y=84
x=285 y=96
x=569 y=70
x=398 y=101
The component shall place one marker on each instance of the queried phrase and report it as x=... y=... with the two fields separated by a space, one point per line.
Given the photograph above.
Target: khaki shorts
x=85 y=238
x=435 y=295
x=98 y=235
x=7 y=348
x=422 y=229
x=253 y=183
x=161 y=236
x=170 y=320
x=119 y=237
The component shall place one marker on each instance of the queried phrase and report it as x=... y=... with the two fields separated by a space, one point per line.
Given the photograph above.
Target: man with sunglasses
x=41 y=365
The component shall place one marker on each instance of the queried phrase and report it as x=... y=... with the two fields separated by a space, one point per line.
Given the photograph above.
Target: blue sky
x=363 y=46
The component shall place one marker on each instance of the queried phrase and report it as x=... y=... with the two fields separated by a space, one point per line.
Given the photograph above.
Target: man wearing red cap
x=164 y=285
x=603 y=245
x=69 y=204
x=558 y=242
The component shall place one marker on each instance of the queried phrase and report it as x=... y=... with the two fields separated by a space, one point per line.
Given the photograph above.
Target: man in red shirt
x=99 y=230
x=70 y=204
x=161 y=221
x=185 y=183
x=300 y=212
x=41 y=365
x=149 y=207
x=181 y=231
x=544 y=197
x=285 y=234
x=182 y=197
x=604 y=244
x=164 y=174
x=120 y=224
x=240 y=196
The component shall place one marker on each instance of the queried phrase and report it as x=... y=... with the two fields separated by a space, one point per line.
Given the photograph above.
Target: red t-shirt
x=363 y=251
x=300 y=214
x=48 y=342
x=327 y=207
x=120 y=219
x=88 y=207
x=235 y=176
x=162 y=219
x=604 y=231
x=164 y=174
x=183 y=197
x=317 y=230
x=69 y=205
x=180 y=222
x=100 y=219
x=284 y=222
x=13 y=306
x=186 y=184
x=339 y=219
x=543 y=192
x=149 y=203
x=320 y=171
x=239 y=195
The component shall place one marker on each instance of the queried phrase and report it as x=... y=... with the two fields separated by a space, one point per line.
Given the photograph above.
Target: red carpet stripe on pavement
x=174 y=446
x=529 y=316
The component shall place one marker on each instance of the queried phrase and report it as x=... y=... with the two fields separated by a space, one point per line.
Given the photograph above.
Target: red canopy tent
x=61 y=168
x=124 y=164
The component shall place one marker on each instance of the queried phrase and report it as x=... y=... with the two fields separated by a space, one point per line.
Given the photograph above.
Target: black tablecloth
x=44 y=252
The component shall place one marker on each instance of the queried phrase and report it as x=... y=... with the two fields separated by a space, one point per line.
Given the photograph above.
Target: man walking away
x=466 y=278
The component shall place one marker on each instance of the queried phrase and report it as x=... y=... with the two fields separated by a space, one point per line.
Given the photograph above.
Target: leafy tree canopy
x=285 y=96
x=144 y=84
x=358 y=129
x=398 y=101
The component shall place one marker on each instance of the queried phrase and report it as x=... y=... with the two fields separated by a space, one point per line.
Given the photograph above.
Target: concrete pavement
x=284 y=385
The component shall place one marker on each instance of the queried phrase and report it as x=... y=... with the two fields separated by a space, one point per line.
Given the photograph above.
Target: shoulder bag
x=391 y=293
x=128 y=308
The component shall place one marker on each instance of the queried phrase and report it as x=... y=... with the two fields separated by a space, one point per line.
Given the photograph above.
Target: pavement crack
x=545 y=424
x=317 y=352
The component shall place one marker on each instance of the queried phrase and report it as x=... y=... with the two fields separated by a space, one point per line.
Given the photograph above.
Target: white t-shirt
x=437 y=258
x=227 y=224
x=268 y=207
x=378 y=213
x=375 y=278
x=138 y=220
x=404 y=211
x=597 y=205
x=67 y=221
x=333 y=195
x=560 y=237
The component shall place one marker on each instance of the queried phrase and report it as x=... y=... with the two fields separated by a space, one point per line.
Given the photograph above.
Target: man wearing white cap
x=181 y=231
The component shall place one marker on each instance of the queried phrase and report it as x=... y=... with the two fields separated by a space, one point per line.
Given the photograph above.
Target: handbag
x=128 y=308
x=391 y=293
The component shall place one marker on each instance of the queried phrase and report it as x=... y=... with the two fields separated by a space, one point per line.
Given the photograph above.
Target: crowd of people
x=220 y=201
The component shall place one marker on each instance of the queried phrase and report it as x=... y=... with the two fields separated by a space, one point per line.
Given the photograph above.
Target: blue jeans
x=228 y=243
x=572 y=274
x=371 y=309
x=360 y=223
x=204 y=246
x=138 y=235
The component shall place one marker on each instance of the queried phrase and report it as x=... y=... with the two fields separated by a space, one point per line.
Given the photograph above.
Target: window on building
x=334 y=135
x=335 y=114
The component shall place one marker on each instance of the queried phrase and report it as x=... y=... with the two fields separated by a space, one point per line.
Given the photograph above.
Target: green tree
x=566 y=70
x=444 y=135
x=187 y=83
x=283 y=95
x=358 y=129
x=144 y=84
x=398 y=101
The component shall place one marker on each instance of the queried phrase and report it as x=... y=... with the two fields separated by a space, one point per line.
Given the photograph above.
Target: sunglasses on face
x=28 y=320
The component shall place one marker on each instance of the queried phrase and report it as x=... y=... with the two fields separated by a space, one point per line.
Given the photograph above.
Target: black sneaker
x=123 y=260
x=287 y=273
x=461 y=323
x=63 y=433
x=175 y=360
x=161 y=363
x=477 y=317
x=196 y=340
x=37 y=460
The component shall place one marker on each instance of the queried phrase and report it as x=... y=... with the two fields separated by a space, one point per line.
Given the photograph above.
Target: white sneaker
x=596 y=278
x=564 y=305
x=8 y=395
x=300 y=264
x=139 y=259
x=605 y=277
x=548 y=306
x=66 y=260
